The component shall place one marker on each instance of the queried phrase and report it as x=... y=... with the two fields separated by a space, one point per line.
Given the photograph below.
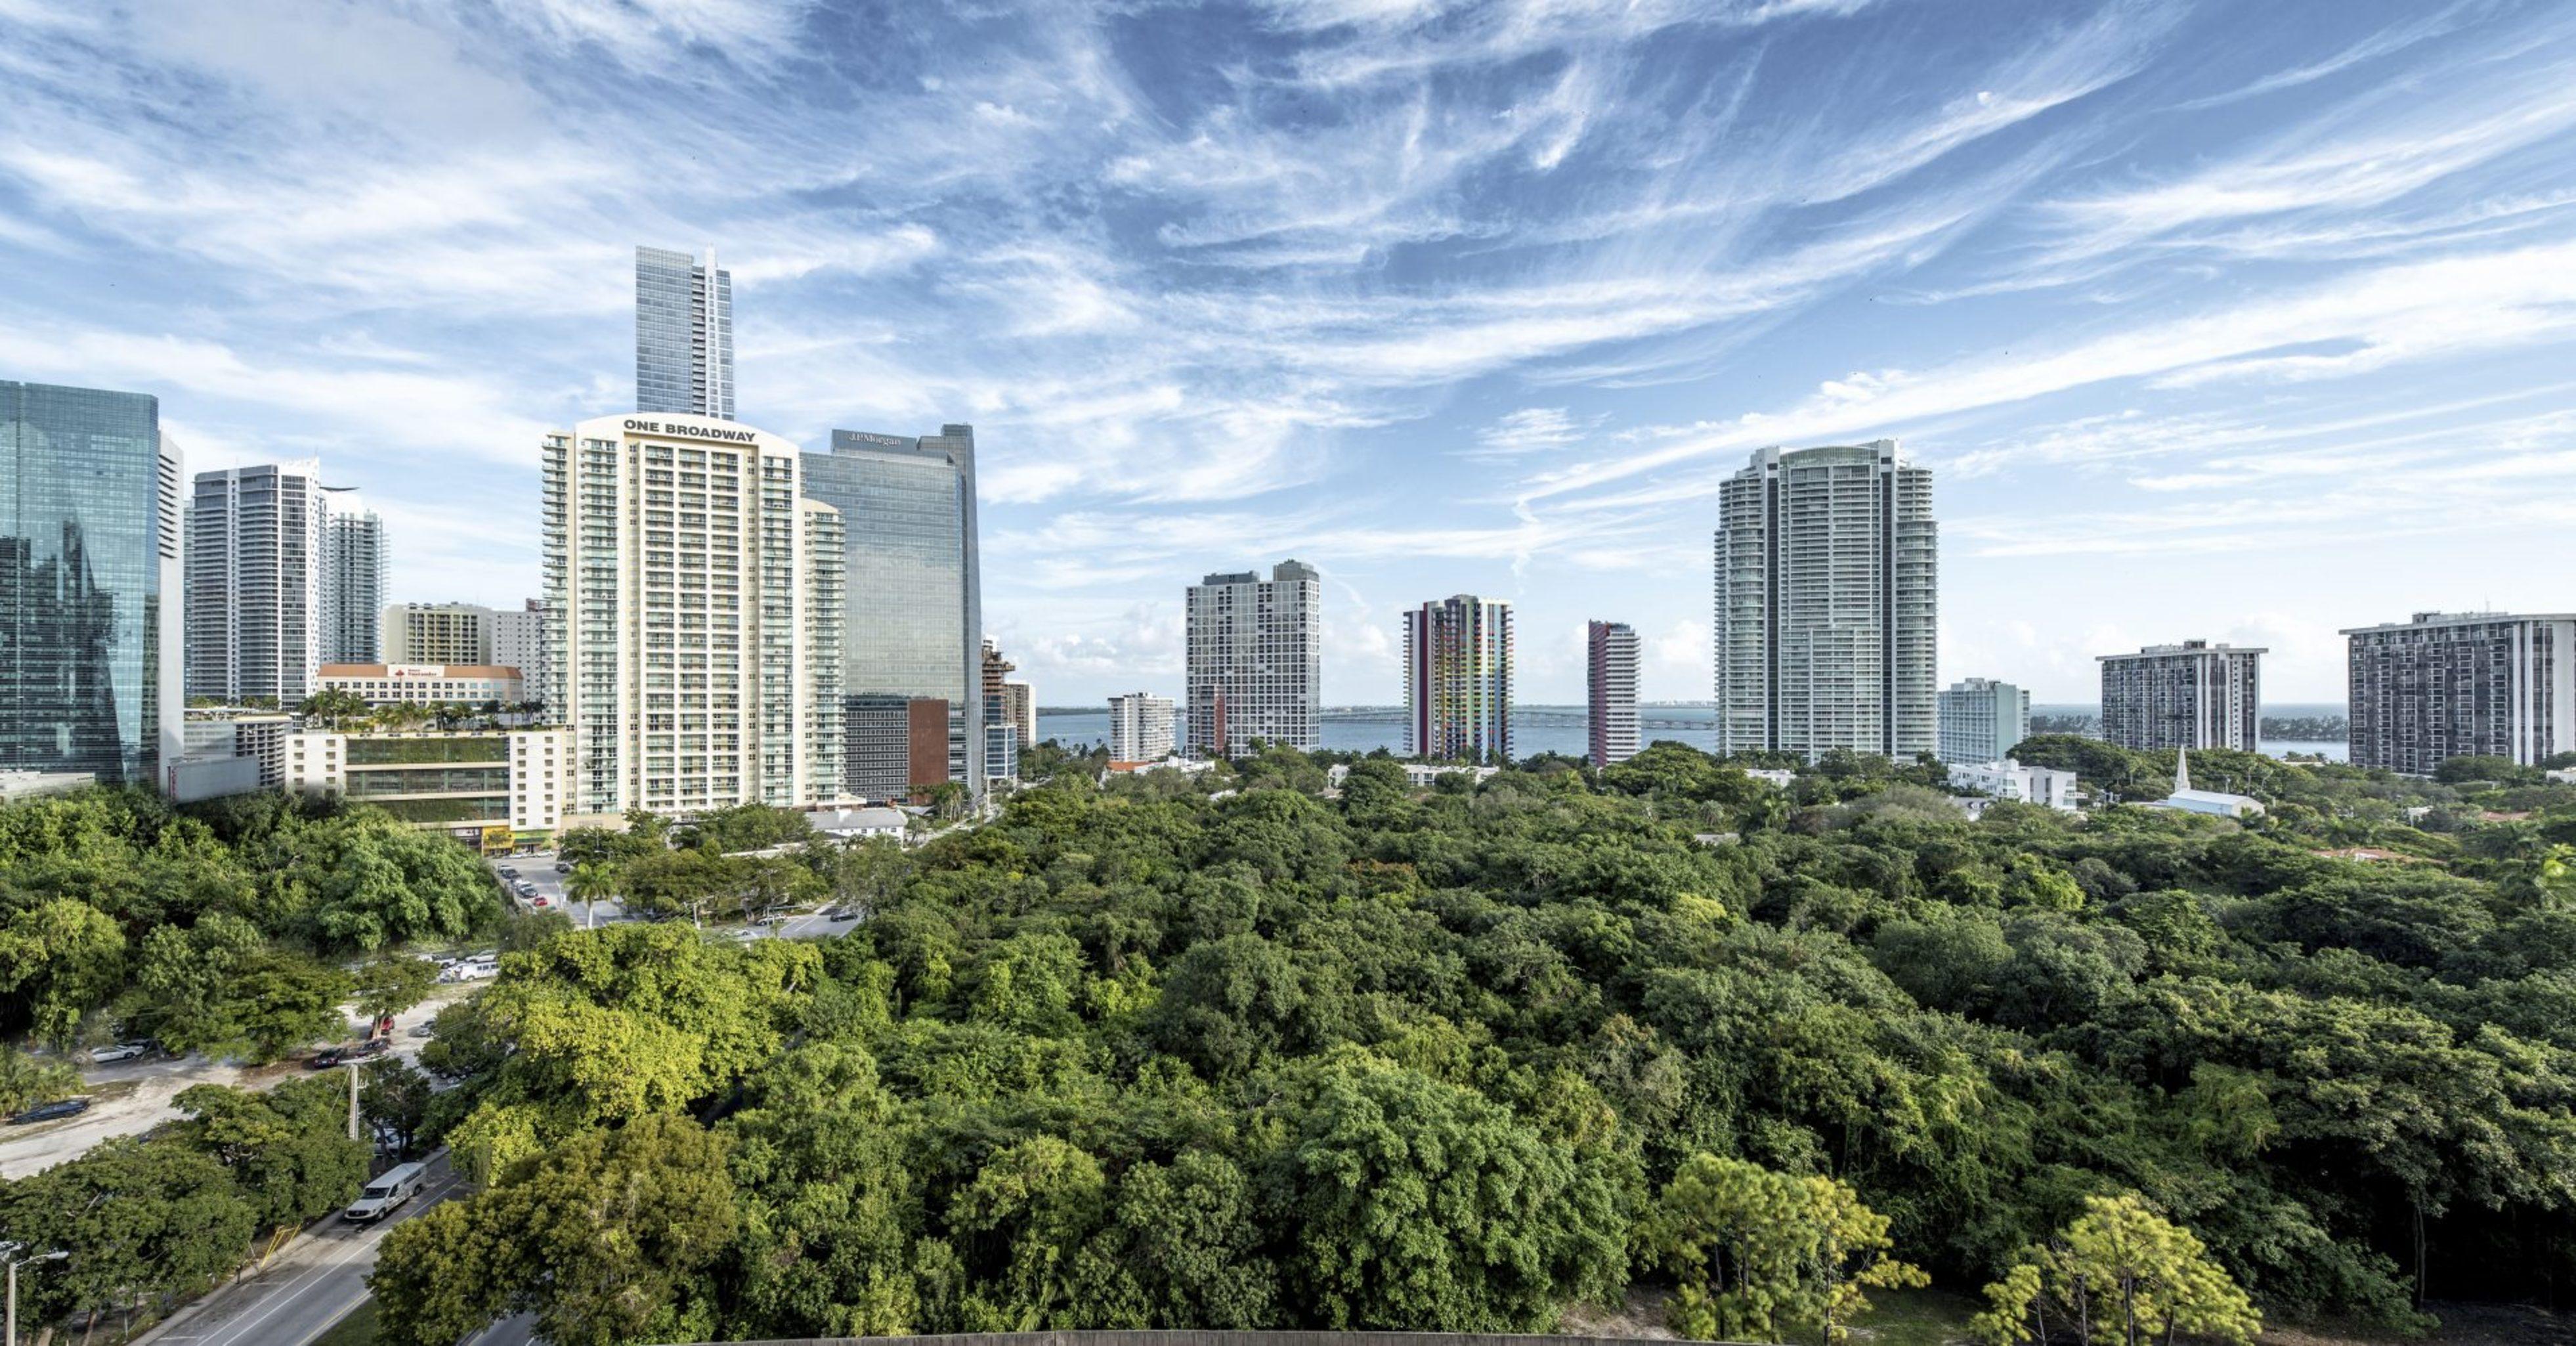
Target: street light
x=9 y=1253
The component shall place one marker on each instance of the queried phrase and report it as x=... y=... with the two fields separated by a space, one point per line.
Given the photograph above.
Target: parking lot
x=538 y=871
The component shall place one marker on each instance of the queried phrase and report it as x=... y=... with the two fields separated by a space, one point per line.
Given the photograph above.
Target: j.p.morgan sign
x=727 y=434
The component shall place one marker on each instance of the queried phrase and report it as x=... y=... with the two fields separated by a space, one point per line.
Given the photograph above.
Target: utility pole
x=9 y=1253
x=353 y=1110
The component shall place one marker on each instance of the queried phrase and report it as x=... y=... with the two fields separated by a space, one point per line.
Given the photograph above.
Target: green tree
x=1421 y=1206
x=2118 y=1275
x=391 y=983
x=1758 y=1253
x=59 y=959
x=609 y=1237
x=28 y=1080
x=146 y=1223
x=287 y=1148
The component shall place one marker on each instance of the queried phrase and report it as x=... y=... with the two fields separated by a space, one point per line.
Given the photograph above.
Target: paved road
x=539 y=871
x=132 y=1097
x=311 y=1284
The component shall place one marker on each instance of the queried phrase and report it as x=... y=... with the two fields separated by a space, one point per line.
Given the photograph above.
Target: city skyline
x=2168 y=296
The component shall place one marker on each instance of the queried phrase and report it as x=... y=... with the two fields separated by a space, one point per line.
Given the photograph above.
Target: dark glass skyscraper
x=683 y=333
x=89 y=584
x=913 y=587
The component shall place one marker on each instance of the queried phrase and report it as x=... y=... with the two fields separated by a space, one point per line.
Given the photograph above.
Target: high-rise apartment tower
x=2462 y=684
x=1610 y=664
x=693 y=597
x=1254 y=650
x=1140 y=727
x=1827 y=576
x=2191 y=695
x=1982 y=720
x=1458 y=680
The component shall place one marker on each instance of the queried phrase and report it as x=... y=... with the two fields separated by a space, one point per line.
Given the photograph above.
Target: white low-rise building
x=1418 y=775
x=2009 y=779
x=427 y=684
x=2216 y=803
x=481 y=786
x=1773 y=775
x=860 y=823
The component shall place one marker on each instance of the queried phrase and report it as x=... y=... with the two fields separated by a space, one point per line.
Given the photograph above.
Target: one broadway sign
x=729 y=434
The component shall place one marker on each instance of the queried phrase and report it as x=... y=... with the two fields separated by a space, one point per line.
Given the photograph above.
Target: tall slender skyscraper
x=1827 y=570
x=255 y=555
x=693 y=603
x=1458 y=680
x=2191 y=695
x=1255 y=655
x=89 y=584
x=913 y=598
x=683 y=333
x=353 y=579
x=1611 y=663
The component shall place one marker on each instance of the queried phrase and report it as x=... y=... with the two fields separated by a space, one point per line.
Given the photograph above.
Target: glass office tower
x=683 y=334
x=913 y=588
x=89 y=584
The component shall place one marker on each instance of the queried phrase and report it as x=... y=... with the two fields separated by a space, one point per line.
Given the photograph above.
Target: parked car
x=123 y=1051
x=472 y=969
x=540 y=902
x=46 y=1112
x=424 y=1030
x=509 y=873
x=563 y=866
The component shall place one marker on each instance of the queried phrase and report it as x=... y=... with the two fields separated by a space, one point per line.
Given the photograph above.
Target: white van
x=387 y=1193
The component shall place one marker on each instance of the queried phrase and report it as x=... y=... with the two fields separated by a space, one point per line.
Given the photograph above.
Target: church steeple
x=2182 y=770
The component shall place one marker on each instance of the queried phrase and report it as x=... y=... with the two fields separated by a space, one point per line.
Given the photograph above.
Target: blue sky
x=2233 y=320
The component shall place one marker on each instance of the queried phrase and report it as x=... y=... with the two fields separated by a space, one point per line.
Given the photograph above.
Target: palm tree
x=588 y=882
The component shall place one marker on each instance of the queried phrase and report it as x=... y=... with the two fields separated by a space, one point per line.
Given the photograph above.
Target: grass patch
x=1916 y=1318
x=358 y=1328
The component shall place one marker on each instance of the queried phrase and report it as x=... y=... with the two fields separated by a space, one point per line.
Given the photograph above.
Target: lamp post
x=9 y=1252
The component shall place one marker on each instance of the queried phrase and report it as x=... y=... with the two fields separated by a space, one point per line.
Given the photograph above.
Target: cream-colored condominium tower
x=693 y=601
x=1827 y=614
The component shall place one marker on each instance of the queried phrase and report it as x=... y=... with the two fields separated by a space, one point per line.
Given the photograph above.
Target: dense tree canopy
x=1460 y=1058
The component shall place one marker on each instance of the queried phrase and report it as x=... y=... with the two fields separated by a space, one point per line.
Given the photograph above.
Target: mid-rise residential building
x=1458 y=680
x=519 y=641
x=683 y=334
x=1610 y=664
x=1983 y=720
x=1254 y=650
x=439 y=633
x=2191 y=695
x=695 y=603
x=1827 y=577
x=913 y=595
x=353 y=579
x=2005 y=778
x=2461 y=684
x=1140 y=727
x=90 y=596
x=427 y=684
x=489 y=788
x=469 y=634
x=1020 y=706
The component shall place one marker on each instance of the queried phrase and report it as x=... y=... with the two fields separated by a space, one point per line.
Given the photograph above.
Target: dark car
x=509 y=873
x=46 y=1112
x=563 y=866
x=348 y=1052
